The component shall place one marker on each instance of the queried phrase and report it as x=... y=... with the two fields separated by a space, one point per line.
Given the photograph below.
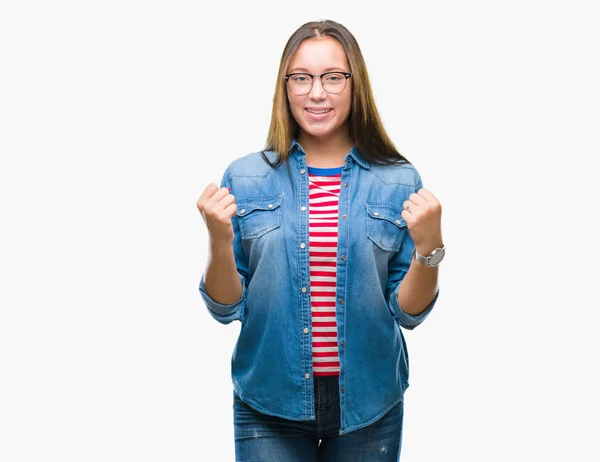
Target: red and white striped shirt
x=324 y=194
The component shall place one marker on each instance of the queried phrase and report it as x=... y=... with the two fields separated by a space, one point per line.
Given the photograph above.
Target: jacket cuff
x=224 y=313
x=406 y=320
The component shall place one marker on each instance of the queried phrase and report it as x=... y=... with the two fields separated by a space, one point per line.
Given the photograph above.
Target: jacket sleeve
x=227 y=313
x=397 y=269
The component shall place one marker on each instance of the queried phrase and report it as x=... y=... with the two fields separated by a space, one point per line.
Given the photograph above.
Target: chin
x=319 y=131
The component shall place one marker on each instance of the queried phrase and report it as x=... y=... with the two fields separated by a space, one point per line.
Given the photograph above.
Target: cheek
x=345 y=106
x=349 y=100
x=296 y=108
x=294 y=105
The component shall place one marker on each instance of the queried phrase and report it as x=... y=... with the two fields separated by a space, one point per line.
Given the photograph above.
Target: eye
x=301 y=78
x=334 y=78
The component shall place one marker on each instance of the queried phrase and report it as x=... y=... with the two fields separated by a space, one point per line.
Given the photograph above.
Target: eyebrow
x=303 y=69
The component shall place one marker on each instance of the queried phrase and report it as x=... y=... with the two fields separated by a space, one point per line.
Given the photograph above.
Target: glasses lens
x=300 y=83
x=334 y=82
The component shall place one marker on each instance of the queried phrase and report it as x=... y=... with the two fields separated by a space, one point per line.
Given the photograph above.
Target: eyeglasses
x=332 y=82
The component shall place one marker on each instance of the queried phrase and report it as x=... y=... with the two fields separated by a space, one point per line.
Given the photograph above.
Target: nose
x=317 y=92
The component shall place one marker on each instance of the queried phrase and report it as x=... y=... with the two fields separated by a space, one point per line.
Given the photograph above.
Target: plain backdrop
x=115 y=115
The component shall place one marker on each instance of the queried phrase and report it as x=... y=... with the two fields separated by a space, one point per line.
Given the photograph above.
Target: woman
x=322 y=262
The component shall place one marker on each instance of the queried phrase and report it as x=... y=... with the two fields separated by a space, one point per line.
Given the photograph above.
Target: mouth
x=318 y=111
x=317 y=114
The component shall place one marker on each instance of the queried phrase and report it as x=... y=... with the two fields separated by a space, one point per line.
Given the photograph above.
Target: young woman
x=322 y=245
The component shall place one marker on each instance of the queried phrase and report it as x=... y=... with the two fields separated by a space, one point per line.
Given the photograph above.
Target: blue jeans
x=264 y=438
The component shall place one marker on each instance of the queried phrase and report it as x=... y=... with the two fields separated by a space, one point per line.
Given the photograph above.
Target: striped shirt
x=324 y=194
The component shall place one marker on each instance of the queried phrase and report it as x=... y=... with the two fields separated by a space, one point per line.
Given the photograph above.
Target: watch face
x=436 y=258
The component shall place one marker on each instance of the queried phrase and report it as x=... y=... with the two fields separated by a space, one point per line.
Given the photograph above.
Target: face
x=316 y=56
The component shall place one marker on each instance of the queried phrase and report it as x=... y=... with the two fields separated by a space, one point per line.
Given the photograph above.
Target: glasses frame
x=345 y=74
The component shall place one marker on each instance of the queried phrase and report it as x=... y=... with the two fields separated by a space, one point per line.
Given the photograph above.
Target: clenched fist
x=217 y=207
x=423 y=214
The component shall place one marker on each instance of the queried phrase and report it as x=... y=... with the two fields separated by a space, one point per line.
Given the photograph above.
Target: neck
x=325 y=152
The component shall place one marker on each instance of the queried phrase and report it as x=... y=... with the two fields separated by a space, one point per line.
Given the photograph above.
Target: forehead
x=318 y=55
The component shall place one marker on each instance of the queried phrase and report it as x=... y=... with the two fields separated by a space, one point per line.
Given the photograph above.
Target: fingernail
x=229 y=189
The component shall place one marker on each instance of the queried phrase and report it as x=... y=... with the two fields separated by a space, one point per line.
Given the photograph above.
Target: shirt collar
x=354 y=153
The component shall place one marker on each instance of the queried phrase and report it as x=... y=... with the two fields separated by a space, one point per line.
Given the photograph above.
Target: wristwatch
x=432 y=259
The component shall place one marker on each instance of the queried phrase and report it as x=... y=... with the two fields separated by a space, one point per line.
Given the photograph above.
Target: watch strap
x=420 y=258
x=424 y=260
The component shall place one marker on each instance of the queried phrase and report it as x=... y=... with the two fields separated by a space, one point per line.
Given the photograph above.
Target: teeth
x=319 y=112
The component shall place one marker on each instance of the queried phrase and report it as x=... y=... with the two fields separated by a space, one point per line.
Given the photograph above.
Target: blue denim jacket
x=272 y=359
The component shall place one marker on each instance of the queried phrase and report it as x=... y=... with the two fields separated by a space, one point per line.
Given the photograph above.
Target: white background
x=115 y=115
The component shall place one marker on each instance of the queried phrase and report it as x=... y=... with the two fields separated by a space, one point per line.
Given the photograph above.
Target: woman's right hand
x=217 y=207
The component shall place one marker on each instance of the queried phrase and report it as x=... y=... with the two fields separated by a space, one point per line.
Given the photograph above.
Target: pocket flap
x=249 y=204
x=386 y=211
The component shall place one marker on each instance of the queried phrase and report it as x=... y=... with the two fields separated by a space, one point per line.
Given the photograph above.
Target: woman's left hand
x=423 y=215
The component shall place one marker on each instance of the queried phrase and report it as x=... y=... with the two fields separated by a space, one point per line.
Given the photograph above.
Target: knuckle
x=223 y=218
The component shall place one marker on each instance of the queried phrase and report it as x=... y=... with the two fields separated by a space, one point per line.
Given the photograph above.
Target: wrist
x=426 y=248
x=430 y=259
x=219 y=247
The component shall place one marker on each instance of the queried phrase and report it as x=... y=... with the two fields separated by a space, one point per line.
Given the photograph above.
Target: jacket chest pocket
x=259 y=215
x=385 y=225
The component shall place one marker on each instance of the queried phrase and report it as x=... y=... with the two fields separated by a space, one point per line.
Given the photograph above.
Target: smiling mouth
x=324 y=111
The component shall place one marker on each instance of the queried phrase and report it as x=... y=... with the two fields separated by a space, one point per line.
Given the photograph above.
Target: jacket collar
x=295 y=147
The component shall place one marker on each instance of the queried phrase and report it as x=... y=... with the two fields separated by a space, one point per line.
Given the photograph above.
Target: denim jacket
x=271 y=364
